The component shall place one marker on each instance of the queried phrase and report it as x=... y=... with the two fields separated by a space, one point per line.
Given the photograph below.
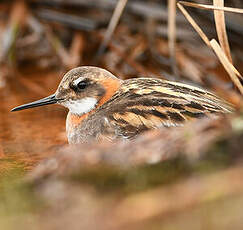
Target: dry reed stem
x=76 y=50
x=221 y=29
x=56 y=44
x=210 y=7
x=19 y=12
x=18 y=16
x=138 y=67
x=194 y=24
x=172 y=34
x=232 y=71
x=112 y=25
x=226 y=63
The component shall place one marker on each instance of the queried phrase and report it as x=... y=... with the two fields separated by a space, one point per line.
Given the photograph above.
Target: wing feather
x=147 y=103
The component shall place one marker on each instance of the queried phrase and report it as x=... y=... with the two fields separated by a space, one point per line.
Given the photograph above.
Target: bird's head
x=81 y=90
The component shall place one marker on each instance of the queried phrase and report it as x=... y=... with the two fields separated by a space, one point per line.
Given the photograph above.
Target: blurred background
x=195 y=179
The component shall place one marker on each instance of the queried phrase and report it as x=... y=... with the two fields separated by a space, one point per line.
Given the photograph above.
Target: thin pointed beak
x=44 y=101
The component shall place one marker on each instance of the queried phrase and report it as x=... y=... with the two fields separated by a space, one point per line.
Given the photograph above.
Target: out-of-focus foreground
x=187 y=177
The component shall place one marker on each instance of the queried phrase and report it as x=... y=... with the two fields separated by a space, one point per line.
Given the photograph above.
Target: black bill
x=44 y=101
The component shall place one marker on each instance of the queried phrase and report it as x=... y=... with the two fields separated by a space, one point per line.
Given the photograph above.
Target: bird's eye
x=82 y=84
x=79 y=84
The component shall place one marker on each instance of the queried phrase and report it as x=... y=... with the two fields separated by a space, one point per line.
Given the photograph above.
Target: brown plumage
x=102 y=106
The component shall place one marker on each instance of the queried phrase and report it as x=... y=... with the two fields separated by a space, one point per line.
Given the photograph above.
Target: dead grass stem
x=223 y=50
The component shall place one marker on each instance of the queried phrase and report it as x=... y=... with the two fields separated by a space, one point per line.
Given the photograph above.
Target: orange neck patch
x=111 y=86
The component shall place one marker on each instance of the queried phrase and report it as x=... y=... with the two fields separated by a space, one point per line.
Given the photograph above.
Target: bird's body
x=102 y=106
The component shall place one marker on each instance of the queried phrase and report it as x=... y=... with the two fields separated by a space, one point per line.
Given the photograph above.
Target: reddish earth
x=30 y=135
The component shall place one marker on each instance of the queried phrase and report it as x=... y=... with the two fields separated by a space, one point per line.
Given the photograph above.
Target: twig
x=60 y=50
x=210 y=7
x=227 y=65
x=111 y=27
x=232 y=71
x=139 y=68
x=221 y=28
x=76 y=48
x=72 y=21
x=17 y=19
x=194 y=24
x=146 y=9
x=172 y=34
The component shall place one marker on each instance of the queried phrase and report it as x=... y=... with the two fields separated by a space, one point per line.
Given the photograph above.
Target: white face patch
x=75 y=82
x=82 y=106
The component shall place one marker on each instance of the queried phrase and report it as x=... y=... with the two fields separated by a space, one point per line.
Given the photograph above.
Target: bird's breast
x=80 y=129
x=73 y=124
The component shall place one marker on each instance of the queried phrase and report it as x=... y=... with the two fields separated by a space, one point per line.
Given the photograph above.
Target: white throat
x=81 y=106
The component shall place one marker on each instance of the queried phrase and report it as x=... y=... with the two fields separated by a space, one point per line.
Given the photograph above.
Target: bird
x=102 y=106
